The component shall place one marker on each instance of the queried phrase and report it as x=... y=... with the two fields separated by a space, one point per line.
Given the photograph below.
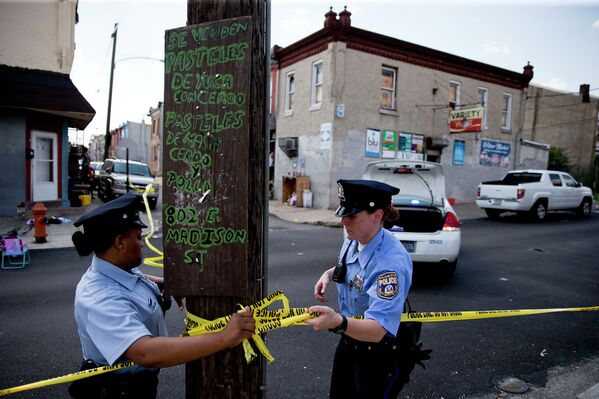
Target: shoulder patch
x=387 y=285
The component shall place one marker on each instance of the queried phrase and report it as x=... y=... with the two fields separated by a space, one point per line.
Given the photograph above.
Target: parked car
x=113 y=180
x=534 y=192
x=428 y=226
x=97 y=168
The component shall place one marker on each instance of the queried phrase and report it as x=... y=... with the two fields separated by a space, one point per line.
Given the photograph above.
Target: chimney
x=528 y=73
x=584 y=93
x=330 y=19
x=344 y=18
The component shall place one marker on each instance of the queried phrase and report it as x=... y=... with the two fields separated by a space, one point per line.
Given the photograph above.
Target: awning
x=46 y=92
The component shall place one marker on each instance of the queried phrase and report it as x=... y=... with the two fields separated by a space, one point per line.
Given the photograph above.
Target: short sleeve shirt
x=113 y=309
x=377 y=281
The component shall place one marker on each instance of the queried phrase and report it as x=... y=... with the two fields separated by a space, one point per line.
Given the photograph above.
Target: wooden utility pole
x=107 y=138
x=215 y=177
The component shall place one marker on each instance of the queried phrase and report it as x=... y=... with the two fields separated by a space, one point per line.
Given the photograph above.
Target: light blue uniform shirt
x=377 y=281
x=113 y=309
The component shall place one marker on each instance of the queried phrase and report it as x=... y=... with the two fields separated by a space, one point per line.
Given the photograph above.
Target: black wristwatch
x=341 y=328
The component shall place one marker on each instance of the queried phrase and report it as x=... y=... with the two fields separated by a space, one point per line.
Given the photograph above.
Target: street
x=509 y=264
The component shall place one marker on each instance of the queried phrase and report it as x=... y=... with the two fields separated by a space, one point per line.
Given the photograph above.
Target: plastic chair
x=13 y=248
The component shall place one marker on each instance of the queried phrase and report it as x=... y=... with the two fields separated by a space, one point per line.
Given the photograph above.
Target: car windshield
x=134 y=169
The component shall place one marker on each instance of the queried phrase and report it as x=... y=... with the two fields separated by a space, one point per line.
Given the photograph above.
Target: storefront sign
x=466 y=120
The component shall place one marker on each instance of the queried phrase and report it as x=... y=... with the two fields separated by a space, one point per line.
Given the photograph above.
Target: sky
x=560 y=41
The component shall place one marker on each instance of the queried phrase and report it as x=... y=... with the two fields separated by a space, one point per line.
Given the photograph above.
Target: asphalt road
x=510 y=264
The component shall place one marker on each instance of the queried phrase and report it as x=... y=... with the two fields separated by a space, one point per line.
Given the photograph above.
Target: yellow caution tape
x=433 y=317
x=156 y=261
x=268 y=320
x=66 y=378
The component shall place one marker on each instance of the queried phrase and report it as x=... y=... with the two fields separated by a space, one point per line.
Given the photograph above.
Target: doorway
x=44 y=165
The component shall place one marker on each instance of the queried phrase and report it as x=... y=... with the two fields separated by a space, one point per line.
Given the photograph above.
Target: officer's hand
x=321 y=286
x=328 y=318
x=240 y=327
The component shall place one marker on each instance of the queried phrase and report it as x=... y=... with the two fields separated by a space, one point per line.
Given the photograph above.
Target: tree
x=558 y=159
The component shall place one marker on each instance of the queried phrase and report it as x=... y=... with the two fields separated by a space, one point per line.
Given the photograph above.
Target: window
x=454 y=94
x=570 y=182
x=388 y=80
x=289 y=92
x=506 y=112
x=316 y=95
x=555 y=180
x=483 y=98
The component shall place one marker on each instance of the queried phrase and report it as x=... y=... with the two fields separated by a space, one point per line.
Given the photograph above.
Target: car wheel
x=584 y=210
x=538 y=211
x=492 y=214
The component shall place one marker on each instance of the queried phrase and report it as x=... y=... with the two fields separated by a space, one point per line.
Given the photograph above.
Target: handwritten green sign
x=206 y=136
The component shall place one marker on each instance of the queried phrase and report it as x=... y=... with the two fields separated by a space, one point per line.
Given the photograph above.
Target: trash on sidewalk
x=57 y=220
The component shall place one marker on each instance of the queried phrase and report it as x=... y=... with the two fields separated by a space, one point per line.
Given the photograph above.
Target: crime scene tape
x=266 y=320
x=66 y=378
x=269 y=320
x=156 y=261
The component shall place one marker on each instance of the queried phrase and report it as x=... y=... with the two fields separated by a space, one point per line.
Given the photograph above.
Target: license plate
x=410 y=246
x=496 y=202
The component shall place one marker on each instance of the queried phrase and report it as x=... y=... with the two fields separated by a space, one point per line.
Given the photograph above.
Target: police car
x=428 y=226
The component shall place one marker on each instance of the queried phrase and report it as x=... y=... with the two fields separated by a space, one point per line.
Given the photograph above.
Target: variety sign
x=466 y=120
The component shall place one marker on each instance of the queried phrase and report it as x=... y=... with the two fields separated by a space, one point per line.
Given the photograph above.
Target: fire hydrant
x=39 y=217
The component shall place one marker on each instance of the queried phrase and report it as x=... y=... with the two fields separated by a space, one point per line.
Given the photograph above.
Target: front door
x=44 y=173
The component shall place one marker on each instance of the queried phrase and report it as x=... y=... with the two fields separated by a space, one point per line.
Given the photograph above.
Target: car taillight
x=521 y=192
x=452 y=223
x=478 y=193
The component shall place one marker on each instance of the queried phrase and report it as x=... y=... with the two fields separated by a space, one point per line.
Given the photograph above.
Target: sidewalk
x=59 y=235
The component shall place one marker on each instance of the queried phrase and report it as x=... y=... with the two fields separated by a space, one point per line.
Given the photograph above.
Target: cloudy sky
x=562 y=42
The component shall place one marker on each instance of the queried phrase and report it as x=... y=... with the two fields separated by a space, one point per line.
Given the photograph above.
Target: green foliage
x=583 y=175
x=558 y=159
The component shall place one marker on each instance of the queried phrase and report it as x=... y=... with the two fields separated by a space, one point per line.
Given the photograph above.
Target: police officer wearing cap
x=119 y=310
x=373 y=277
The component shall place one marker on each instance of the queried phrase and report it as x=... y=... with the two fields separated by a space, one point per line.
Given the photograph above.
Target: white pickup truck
x=534 y=192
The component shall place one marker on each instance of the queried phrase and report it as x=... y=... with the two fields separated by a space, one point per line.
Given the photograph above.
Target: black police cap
x=358 y=195
x=122 y=211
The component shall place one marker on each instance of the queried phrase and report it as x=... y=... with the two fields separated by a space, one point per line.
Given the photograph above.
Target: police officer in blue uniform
x=373 y=277
x=120 y=311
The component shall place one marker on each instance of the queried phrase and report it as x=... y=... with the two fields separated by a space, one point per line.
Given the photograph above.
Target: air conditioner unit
x=289 y=146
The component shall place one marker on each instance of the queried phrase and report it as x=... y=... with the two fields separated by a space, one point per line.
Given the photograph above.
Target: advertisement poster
x=325 y=135
x=405 y=142
x=389 y=144
x=373 y=143
x=495 y=153
x=468 y=120
x=459 y=149
x=418 y=143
